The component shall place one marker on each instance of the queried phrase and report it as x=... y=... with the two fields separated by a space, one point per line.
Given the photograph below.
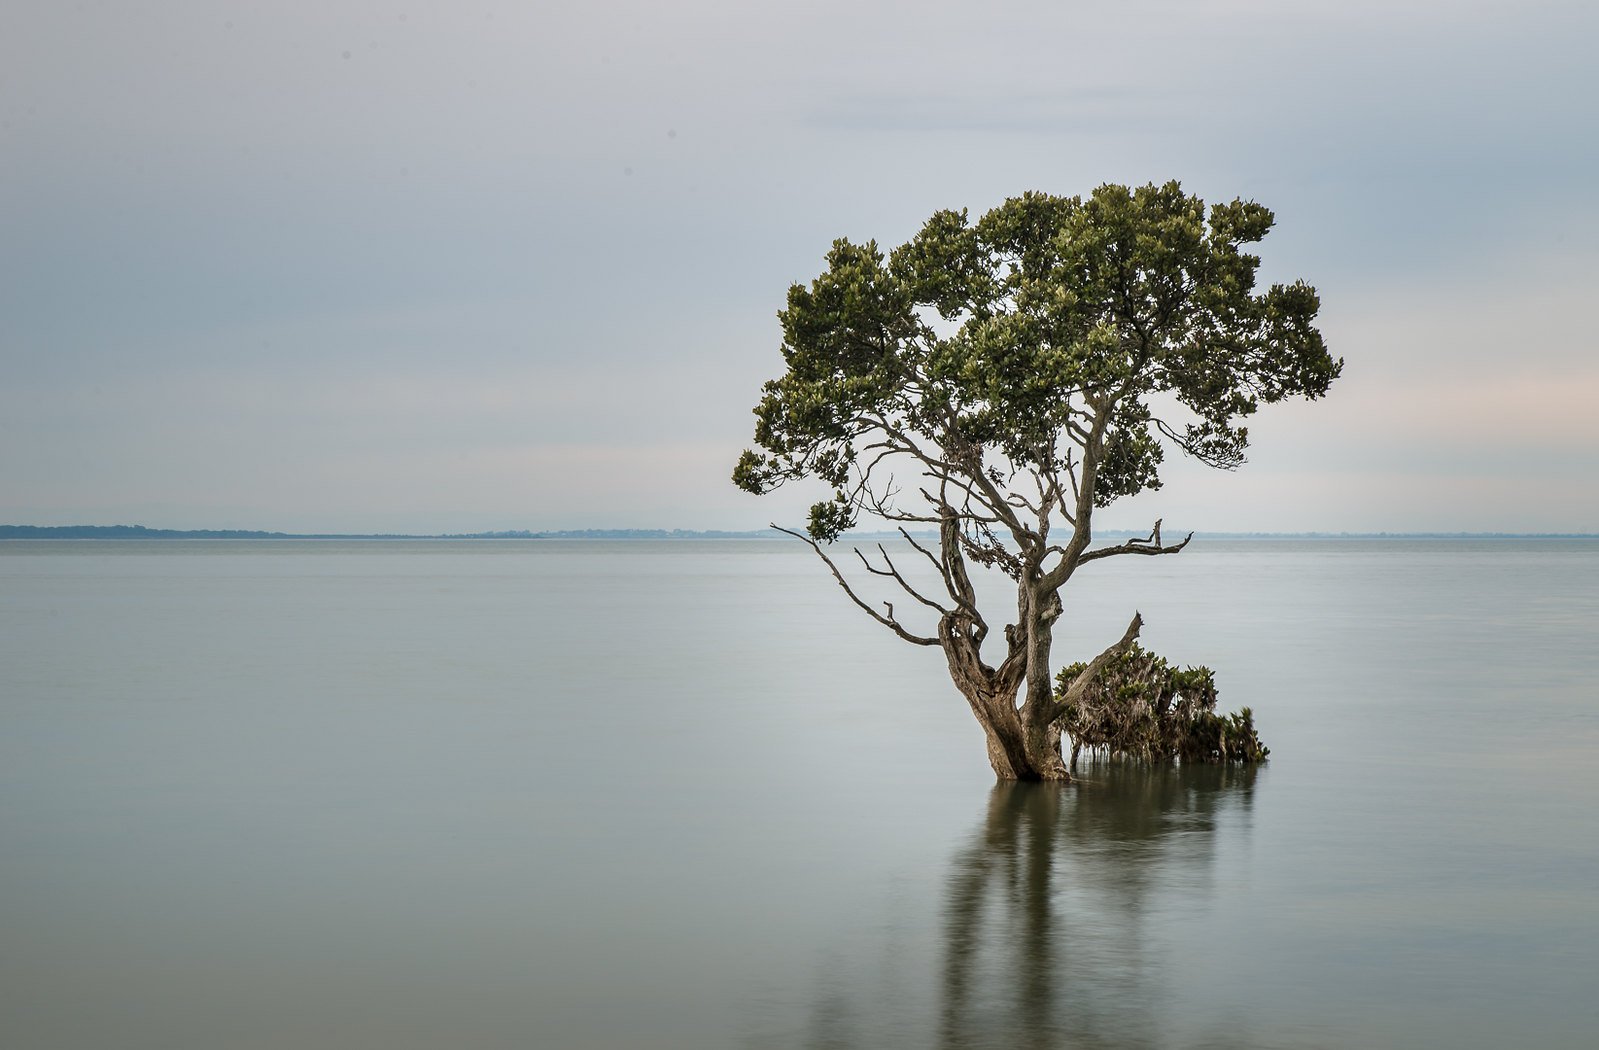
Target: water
x=530 y=794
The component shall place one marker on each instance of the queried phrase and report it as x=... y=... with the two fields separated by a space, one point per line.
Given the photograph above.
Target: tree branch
x=965 y=602
x=949 y=547
x=1085 y=677
x=1082 y=526
x=995 y=501
x=887 y=621
x=1152 y=545
x=893 y=573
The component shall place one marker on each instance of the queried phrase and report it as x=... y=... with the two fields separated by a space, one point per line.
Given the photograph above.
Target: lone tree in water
x=1001 y=381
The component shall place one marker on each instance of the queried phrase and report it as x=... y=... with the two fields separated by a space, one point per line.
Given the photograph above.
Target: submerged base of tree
x=1140 y=706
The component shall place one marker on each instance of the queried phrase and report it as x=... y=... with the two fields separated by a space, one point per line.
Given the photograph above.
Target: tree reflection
x=1045 y=942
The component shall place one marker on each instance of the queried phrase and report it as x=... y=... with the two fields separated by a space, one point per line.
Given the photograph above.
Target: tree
x=1001 y=381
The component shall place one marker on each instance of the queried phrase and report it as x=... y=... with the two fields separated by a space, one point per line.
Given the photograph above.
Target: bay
x=681 y=794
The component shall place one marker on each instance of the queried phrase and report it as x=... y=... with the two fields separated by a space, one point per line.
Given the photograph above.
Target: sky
x=366 y=267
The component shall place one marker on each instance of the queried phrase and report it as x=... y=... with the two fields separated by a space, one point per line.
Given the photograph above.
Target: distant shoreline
x=140 y=532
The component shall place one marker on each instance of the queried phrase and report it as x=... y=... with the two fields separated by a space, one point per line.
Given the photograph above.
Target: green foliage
x=1143 y=707
x=997 y=338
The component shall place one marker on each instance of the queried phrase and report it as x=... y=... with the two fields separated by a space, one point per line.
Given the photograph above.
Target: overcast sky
x=404 y=267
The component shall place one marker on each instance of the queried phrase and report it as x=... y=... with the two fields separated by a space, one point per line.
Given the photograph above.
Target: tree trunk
x=1039 y=713
x=1043 y=750
x=1016 y=750
x=991 y=692
x=1024 y=742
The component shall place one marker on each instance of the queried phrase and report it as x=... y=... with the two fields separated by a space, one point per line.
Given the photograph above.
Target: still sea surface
x=681 y=794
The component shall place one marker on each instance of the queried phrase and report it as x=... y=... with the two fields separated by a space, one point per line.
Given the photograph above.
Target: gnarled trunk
x=1040 y=715
x=1019 y=746
x=1024 y=742
x=1016 y=751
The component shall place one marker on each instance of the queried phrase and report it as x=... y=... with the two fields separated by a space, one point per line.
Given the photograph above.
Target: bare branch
x=1071 y=474
x=985 y=548
x=963 y=602
x=894 y=574
x=887 y=621
x=1082 y=529
x=1017 y=500
x=995 y=501
x=1046 y=498
x=970 y=493
x=966 y=511
x=1085 y=678
x=1151 y=545
x=949 y=546
x=895 y=515
x=927 y=553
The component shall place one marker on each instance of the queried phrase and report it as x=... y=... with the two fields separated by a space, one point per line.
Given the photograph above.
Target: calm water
x=543 y=794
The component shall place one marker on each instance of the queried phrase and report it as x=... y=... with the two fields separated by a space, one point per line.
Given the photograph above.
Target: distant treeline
x=139 y=532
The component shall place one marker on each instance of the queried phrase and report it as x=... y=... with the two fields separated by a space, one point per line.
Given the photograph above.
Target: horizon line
x=137 y=532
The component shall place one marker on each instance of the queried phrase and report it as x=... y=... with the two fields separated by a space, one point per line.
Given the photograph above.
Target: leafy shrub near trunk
x=1143 y=707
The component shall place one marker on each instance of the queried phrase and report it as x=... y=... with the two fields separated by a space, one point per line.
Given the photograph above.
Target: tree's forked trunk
x=1024 y=742
x=1016 y=751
